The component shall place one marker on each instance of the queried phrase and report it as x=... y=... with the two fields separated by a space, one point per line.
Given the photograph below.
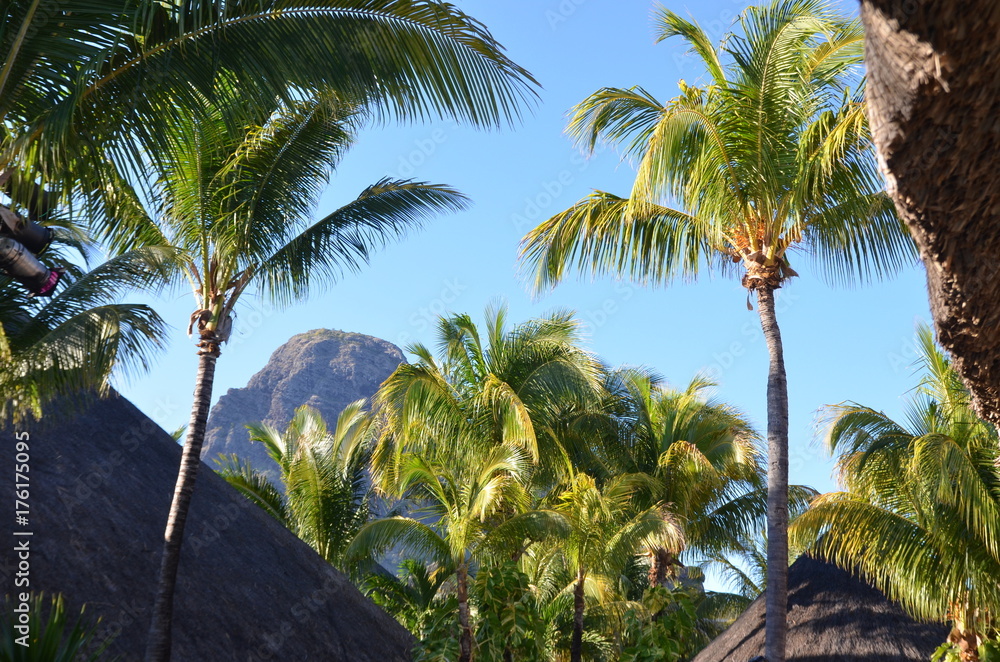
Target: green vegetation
x=770 y=156
x=325 y=501
x=549 y=506
x=56 y=637
x=920 y=514
x=76 y=339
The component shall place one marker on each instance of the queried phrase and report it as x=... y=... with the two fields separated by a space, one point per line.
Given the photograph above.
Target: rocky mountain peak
x=324 y=368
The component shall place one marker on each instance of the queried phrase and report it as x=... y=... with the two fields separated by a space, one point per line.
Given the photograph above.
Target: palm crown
x=237 y=204
x=325 y=499
x=84 y=80
x=517 y=386
x=772 y=154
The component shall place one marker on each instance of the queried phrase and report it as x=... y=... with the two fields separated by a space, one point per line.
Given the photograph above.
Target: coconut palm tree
x=518 y=386
x=706 y=458
x=950 y=215
x=708 y=465
x=325 y=500
x=473 y=510
x=412 y=595
x=235 y=204
x=769 y=156
x=920 y=512
x=606 y=531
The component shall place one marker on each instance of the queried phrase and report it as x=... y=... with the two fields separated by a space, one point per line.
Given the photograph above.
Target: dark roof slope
x=832 y=617
x=101 y=483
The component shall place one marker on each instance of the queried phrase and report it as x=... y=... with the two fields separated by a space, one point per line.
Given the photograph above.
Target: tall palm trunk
x=465 y=636
x=776 y=626
x=576 y=645
x=660 y=566
x=158 y=645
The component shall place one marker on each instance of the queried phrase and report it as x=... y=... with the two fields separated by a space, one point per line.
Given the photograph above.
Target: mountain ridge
x=324 y=368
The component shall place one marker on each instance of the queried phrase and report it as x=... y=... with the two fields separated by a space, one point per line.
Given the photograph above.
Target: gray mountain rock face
x=325 y=369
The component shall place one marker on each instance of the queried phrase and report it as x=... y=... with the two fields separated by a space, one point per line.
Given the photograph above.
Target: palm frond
x=255 y=486
x=343 y=240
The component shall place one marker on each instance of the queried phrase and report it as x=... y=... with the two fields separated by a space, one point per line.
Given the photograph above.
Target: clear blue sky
x=840 y=344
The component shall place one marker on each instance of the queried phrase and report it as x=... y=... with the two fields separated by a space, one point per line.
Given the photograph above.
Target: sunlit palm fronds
x=324 y=493
x=78 y=339
x=920 y=514
x=80 y=75
x=518 y=387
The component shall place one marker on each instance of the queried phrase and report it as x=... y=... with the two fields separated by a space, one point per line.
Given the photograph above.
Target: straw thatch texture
x=832 y=617
x=247 y=589
x=934 y=107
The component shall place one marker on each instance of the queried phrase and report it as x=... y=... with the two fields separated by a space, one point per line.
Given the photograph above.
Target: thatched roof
x=101 y=484
x=933 y=104
x=832 y=617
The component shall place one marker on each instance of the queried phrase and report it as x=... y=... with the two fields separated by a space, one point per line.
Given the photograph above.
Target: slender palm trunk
x=465 y=636
x=659 y=566
x=576 y=645
x=158 y=645
x=776 y=626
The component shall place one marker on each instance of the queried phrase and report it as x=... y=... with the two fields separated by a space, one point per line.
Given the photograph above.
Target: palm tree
x=84 y=81
x=235 y=205
x=474 y=510
x=770 y=155
x=517 y=386
x=76 y=340
x=605 y=532
x=951 y=215
x=706 y=459
x=410 y=597
x=920 y=514
x=325 y=500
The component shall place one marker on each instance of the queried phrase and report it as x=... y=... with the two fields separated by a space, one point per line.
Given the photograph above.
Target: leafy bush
x=28 y=637
x=510 y=624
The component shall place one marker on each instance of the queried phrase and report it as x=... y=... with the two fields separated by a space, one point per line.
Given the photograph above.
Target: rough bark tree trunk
x=967 y=642
x=465 y=634
x=659 y=566
x=776 y=625
x=576 y=645
x=934 y=111
x=662 y=566
x=159 y=643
